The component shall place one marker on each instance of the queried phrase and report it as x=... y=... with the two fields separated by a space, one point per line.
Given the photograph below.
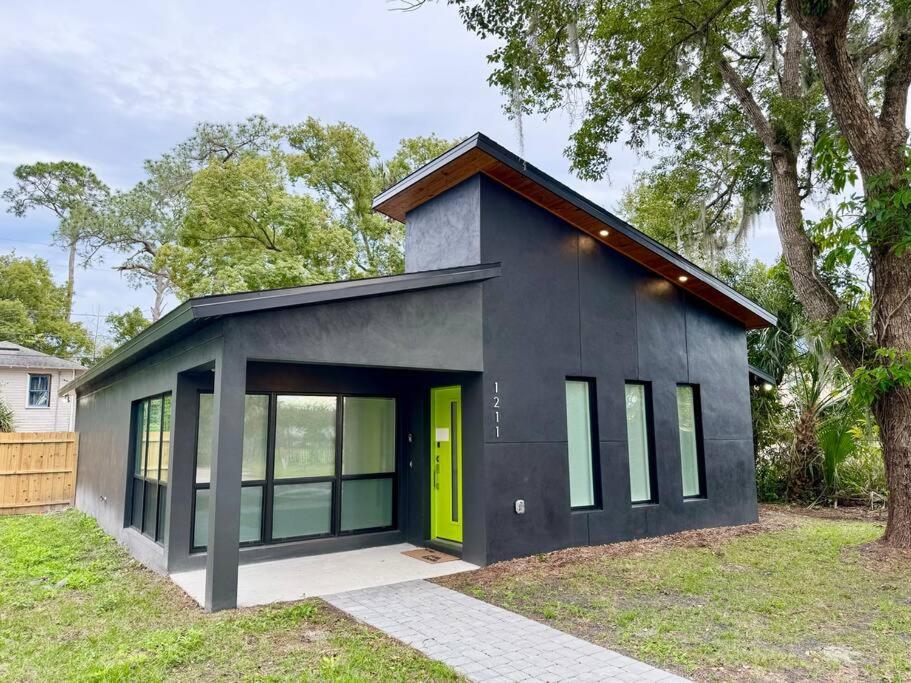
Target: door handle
x=436 y=472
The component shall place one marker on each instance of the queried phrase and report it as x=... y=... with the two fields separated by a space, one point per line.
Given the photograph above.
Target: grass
x=75 y=606
x=794 y=598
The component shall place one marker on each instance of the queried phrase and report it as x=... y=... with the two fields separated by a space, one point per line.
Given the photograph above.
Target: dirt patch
x=770 y=519
x=857 y=513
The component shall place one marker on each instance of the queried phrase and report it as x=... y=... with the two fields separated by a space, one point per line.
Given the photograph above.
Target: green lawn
x=74 y=606
x=797 y=598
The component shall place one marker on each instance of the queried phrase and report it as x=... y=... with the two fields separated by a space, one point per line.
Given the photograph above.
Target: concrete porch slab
x=262 y=583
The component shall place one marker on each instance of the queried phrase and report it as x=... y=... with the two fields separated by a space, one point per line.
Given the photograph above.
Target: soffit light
x=604 y=233
x=683 y=278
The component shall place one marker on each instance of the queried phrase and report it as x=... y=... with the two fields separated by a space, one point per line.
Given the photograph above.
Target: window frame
x=28 y=391
x=700 y=440
x=270 y=482
x=595 y=443
x=651 y=459
x=161 y=488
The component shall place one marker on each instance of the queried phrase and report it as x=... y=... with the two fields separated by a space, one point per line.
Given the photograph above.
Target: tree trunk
x=892 y=409
x=161 y=290
x=800 y=253
x=70 y=279
x=877 y=145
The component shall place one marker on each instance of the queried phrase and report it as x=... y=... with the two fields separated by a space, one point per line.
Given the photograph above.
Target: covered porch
x=296 y=578
x=309 y=479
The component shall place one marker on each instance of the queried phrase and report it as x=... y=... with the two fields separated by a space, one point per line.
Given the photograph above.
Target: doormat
x=429 y=556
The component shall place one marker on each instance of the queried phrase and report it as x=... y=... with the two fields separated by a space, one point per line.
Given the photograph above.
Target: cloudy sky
x=111 y=84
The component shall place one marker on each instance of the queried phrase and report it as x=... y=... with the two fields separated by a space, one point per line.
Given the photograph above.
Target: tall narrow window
x=579 y=442
x=638 y=444
x=688 y=428
x=151 y=458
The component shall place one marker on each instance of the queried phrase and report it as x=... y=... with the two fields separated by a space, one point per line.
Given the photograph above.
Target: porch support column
x=223 y=552
x=184 y=409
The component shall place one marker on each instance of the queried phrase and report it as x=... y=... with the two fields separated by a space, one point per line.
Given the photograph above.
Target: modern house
x=542 y=375
x=29 y=383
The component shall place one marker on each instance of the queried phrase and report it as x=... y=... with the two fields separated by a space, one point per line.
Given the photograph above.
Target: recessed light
x=604 y=233
x=683 y=278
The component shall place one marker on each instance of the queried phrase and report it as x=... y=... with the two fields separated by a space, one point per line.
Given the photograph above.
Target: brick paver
x=485 y=642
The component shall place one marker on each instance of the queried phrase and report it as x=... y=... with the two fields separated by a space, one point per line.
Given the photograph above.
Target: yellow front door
x=446 y=463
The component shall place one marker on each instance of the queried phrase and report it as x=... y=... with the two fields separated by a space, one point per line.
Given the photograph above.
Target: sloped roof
x=480 y=154
x=17 y=356
x=192 y=313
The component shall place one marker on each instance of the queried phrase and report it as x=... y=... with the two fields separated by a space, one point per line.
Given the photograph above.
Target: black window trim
x=595 y=441
x=700 y=440
x=158 y=533
x=650 y=439
x=270 y=482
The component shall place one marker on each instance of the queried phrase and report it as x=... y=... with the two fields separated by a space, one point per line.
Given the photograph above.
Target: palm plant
x=820 y=393
x=6 y=417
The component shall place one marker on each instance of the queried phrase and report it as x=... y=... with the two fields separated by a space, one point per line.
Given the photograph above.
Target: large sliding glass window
x=579 y=441
x=638 y=435
x=690 y=440
x=312 y=466
x=150 y=462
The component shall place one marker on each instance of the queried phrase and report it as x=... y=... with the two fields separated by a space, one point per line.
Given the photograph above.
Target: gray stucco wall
x=445 y=234
x=103 y=422
x=567 y=306
x=429 y=330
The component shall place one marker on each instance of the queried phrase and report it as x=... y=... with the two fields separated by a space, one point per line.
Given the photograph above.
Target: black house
x=541 y=376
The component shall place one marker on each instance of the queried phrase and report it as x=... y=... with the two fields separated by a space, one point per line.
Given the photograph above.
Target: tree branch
x=748 y=103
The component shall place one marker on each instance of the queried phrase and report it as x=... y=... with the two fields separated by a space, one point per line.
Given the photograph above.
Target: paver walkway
x=485 y=642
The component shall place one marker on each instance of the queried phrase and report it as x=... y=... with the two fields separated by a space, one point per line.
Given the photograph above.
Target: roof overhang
x=193 y=313
x=480 y=154
x=761 y=378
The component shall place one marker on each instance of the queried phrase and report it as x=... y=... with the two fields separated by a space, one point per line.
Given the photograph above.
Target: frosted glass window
x=637 y=443
x=368 y=440
x=301 y=510
x=251 y=516
x=579 y=444
x=366 y=503
x=201 y=519
x=689 y=450
x=251 y=513
x=305 y=436
x=256 y=435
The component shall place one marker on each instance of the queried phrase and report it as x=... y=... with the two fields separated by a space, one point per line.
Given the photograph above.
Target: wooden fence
x=37 y=471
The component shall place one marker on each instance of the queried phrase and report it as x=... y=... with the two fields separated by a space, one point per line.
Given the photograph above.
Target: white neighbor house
x=30 y=383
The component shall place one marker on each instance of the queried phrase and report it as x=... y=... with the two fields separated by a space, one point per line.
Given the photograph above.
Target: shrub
x=6 y=417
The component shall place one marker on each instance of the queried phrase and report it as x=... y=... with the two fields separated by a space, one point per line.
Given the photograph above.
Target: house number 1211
x=496 y=408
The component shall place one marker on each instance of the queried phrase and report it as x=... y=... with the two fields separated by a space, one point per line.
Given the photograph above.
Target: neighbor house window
x=688 y=428
x=313 y=466
x=151 y=460
x=39 y=391
x=579 y=442
x=641 y=467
